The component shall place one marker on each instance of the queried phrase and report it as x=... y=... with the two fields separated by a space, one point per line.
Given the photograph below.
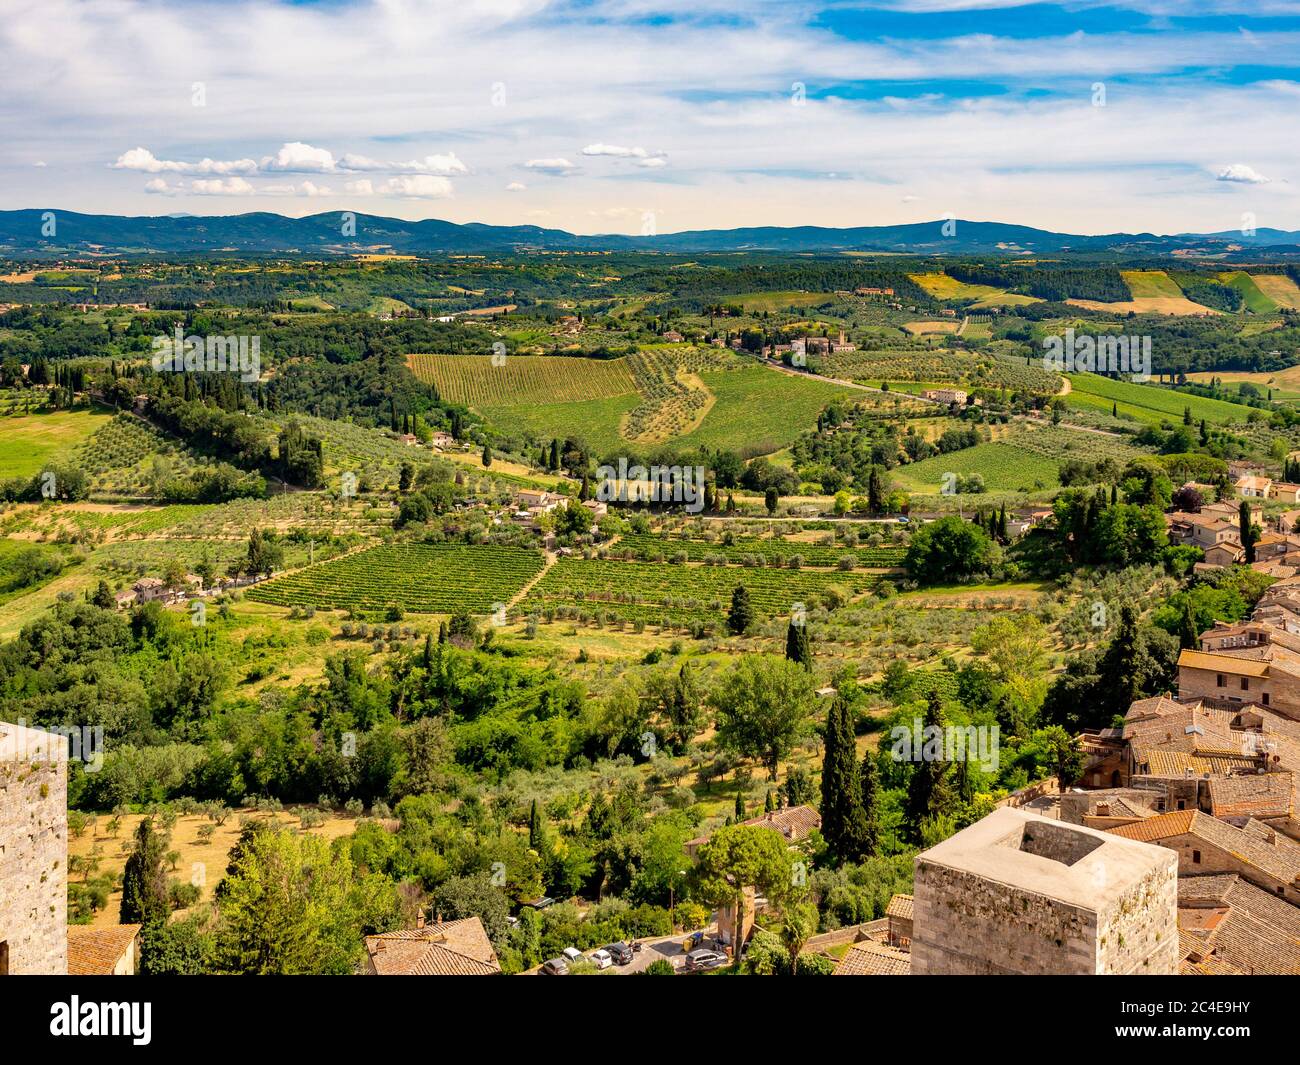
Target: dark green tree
x=144 y=880
x=929 y=792
x=797 y=647
x=741 y=617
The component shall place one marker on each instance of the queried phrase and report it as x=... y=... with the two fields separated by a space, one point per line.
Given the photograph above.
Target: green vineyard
x=677 y=594
x=423 y=578
x=649 y=548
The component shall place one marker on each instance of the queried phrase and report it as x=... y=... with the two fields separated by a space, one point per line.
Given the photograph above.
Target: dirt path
x=519 y=596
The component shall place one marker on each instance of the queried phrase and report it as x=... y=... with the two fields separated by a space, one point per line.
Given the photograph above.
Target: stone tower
x=33 y=851
x=1020 y=894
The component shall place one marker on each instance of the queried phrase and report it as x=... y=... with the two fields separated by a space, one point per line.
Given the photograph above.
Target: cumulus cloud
x=1243 y=174
x=300 y=158
x=142 y=159
x=407 y=186
x=617 y=151
x=516 y=186
x=231 y=186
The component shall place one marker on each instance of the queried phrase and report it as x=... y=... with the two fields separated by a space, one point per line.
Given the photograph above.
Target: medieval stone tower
x=33 y=851
x=1020 y=894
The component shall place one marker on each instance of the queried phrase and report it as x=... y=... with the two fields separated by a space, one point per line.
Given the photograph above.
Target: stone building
x=33 y=851
x=1020 y=894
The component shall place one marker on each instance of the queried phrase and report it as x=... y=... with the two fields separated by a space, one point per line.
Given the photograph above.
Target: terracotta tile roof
x=1177 y=823
x=1248 y=930
x=1221 y=661
x=96 y=951
x=900 y=906
x=793 y=822
x=869 y=958
x=1165 y=763
x=1278 y=863
x=1251 y=795
x=451 y=948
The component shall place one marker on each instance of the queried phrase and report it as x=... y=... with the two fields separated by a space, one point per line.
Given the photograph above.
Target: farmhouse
x=946 y=395
x=1253 y=487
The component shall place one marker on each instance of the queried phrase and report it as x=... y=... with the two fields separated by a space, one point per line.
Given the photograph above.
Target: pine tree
x=742 y=614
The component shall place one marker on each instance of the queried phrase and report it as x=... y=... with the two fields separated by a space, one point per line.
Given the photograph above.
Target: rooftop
x=1081 y=866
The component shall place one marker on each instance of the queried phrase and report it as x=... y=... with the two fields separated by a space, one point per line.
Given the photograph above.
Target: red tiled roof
x=451 y=948
x=96 y=951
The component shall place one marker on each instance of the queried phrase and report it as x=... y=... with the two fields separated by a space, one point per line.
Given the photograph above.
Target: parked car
x=620 y=952
x=555 y=967
x=699 y=960
x=572 y=954
x=601 y=959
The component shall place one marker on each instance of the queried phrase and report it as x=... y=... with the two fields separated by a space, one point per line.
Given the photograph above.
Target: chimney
x=419 y=919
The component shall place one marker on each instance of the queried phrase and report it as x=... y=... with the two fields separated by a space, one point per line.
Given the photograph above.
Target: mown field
x=1004 y=467
x=1148 y=403
x=943 y=287
x=421 y=578
x=29 y=443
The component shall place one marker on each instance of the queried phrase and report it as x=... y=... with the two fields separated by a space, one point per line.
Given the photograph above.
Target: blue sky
x=639 y=115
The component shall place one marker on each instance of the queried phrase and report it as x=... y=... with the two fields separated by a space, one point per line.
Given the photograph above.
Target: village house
x=109 y=951
x=443 y=948
x=1253 y=487
x=946 y=395
x=442 y=440
x=1204 y=529
x=672 y=337
x=149 y=588
x=1285 y=491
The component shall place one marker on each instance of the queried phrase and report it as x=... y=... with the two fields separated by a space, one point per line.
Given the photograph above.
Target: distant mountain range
x=24 y=234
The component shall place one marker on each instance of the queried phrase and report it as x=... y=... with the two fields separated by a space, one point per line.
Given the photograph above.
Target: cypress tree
x=742 y=614
x=535 y=840
x=929 y=793
x=870 y=804
x=1189 y=637
x=1246 y=530
x=740 y=804
x=769 y=803
x=844 y=823
x=797 y=647
x=144 y=881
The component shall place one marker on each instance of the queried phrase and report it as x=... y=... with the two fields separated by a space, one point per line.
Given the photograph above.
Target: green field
x=1151 y=284
x=943 y=287
x=422 y=578
x=1148 y=403
x=647 y=546
x=1004 y=467
x=1254 y=299
x=29 y=443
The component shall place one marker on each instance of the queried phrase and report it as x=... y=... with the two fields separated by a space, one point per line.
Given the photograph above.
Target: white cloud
x=550 y=166
x=516 y=186
x=144 y=160
x=615 y=150
x=300 y=158
x=1240 y=172
x=654 y=162
x=418 y=187
x=232 y=186
x=438 y=165
x=362 y=187
x=158 y=187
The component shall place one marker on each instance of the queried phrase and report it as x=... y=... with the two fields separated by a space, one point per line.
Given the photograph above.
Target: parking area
x=663 y=948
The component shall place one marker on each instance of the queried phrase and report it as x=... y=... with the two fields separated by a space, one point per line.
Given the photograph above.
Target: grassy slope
x=28 y=443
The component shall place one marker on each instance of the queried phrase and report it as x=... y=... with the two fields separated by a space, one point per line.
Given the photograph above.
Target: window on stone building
x=1245 y=684
x=4 y=958
x=1219 y=678
x=1196 y=855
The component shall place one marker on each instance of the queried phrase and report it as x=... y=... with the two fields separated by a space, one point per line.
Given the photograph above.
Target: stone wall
x=33 y=859
x=971 y=925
